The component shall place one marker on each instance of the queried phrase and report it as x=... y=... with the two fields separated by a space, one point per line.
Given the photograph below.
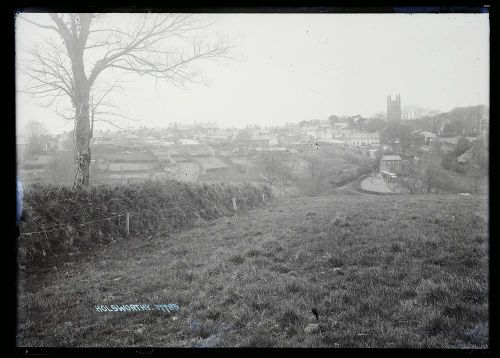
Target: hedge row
x=77 y=218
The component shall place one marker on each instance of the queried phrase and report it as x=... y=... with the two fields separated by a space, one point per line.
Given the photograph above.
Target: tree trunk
x=82 y=126
x=82 y=143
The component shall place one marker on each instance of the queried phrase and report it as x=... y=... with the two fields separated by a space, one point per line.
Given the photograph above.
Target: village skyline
x=409 y=112
x=293 y=67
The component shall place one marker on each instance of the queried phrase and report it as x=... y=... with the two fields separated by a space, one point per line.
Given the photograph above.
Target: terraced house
x=362 y=138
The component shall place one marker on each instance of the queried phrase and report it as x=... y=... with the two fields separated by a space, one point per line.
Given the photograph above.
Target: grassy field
x=382 y=271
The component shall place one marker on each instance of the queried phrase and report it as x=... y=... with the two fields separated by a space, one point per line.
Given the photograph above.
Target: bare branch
x=50 y=27
x=64 y=116
x=160 y=46
x=62 y=29
x=109 y=122
x=142 y=53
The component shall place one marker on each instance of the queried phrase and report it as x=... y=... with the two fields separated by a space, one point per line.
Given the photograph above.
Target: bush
x=154 y=207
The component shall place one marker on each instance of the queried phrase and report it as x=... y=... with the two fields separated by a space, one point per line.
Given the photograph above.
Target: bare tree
x=275 y=168
x=35 y=131
x=70 y=70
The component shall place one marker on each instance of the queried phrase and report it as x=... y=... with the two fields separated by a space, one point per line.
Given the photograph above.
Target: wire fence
x=66 y=226
x=197 y=212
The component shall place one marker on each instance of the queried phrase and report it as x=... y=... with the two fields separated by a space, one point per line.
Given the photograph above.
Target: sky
x=294 y=67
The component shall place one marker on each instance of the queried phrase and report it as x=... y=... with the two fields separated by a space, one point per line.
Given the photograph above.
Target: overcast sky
x=293 y=67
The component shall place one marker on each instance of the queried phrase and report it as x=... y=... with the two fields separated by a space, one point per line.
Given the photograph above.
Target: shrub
x=57 y=212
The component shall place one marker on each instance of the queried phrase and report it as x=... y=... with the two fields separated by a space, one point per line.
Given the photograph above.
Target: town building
x=338 y=143
x=390 y=163
x=394 y=108
x=194 y=148
x=362 y=139
x=424 y=137
x=208 y=129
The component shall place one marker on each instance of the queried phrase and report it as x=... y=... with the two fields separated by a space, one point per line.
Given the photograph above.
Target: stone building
x=394 y=108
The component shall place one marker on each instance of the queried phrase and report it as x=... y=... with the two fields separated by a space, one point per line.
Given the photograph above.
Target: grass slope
x=398 y=271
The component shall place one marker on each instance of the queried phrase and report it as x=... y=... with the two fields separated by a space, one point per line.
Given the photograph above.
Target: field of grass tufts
x=395 y=271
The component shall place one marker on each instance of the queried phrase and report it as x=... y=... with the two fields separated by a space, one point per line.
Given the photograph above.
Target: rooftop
x=428 y=134
x=363 y=135
x=129 y=157
x=391 y=157
x=188 y=142
x=331 y=141
x=340 y=125
x=211 y=163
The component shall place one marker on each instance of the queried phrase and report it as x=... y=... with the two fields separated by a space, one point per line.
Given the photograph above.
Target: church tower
x=394 y=108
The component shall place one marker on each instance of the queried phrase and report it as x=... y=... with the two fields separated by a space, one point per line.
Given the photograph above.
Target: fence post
x=234 y=204
x=127 y=225
x=264 y=200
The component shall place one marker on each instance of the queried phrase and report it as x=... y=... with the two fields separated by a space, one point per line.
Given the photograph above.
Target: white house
x=428 y=137
x=362 y=138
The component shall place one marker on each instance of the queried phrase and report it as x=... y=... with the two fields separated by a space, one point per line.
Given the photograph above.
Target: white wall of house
x=362 y=140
